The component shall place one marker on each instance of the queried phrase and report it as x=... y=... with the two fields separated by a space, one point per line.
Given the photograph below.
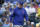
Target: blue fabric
x=21 y=2
x=19 y=15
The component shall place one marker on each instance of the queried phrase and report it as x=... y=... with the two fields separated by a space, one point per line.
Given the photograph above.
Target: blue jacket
x=18 y=15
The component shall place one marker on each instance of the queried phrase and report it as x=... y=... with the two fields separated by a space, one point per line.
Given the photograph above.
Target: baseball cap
x=32 y=22
x=21 y=2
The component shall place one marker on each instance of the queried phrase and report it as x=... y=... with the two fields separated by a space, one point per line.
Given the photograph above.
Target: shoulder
x=23 y=9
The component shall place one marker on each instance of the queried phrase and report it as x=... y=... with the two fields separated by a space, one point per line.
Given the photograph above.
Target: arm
x=26 y=17
x=12 y=15
x=11 y=20
x=10 y=24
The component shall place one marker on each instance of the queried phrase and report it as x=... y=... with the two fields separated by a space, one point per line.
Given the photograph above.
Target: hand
x=28 y=22
x=10 y=24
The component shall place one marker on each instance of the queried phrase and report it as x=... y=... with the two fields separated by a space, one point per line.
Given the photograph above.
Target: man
x=19 y=13
x=36 y=6
x=6 y=24
x=1 y=11
x=32 y=15
x=38 y=14
x=26 y=8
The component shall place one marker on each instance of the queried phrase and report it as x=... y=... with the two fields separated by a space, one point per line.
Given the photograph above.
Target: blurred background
x=32 y=8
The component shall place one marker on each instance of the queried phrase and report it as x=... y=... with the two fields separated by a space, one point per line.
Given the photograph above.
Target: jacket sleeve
x=12 y=15
x=26 y=16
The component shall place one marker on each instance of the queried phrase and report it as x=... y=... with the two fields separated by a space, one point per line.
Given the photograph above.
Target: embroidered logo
x=23 y=11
